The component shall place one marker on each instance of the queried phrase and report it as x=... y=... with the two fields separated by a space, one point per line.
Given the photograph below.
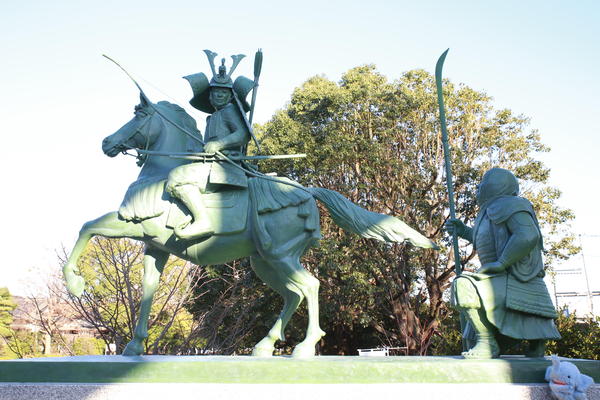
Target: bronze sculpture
x=246 y=214
x=507 y=299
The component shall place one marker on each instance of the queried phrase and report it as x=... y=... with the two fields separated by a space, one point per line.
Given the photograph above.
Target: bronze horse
x=274 y=239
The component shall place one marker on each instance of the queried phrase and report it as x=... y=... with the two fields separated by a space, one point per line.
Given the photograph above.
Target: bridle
x=140 y=156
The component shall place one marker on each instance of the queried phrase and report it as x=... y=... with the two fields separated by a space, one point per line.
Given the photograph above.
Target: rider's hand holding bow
x=212 y=147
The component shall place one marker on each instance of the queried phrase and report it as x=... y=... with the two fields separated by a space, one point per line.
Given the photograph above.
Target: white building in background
x=576 y=284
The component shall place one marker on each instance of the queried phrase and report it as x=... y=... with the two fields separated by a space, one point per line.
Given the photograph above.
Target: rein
x=151 y=105
x=141 y=157
x=218 y=154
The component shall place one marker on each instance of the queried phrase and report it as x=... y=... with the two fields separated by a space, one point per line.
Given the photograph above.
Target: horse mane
x=181 y=116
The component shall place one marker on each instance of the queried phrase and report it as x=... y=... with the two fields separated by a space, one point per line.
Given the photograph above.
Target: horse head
x=156 y=130
x=139 y=133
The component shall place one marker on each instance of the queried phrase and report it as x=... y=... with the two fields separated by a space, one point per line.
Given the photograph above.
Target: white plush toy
x=566 y=382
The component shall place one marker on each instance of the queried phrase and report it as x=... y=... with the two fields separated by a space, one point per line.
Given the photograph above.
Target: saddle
x=227 y=211
x=145 y=199
x=228 y=207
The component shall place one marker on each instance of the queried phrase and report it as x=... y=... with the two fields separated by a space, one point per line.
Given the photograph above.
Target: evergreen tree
x=379 y=144
x=7 y=305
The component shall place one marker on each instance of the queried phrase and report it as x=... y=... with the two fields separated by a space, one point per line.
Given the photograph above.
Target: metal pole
x=585 y=274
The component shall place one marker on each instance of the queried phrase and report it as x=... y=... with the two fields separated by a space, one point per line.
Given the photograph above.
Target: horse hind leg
x=308 y=285
x=108 y=225
x=292 y=297
x=314 y=333
x=154 y=263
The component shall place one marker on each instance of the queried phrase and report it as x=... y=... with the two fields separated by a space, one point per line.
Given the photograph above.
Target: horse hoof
x=262 y=352
x=133 y=349
x=75 y=285
x=304 y=351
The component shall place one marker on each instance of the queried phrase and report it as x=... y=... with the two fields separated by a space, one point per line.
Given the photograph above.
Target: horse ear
x=144 y=100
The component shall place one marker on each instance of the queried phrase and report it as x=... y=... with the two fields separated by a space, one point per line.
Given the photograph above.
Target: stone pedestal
x=222 y=377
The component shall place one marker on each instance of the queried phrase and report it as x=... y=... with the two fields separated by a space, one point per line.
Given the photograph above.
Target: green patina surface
x=172 y=207
x=223 y=369
x=506 y=300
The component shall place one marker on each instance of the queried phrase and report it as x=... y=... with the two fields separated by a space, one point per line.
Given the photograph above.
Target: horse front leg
x=108 y=225
x=154 y=263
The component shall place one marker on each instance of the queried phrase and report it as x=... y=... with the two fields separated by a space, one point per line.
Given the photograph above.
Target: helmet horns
x=221 y=74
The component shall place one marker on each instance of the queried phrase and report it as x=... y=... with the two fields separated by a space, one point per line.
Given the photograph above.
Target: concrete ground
x=220 y=391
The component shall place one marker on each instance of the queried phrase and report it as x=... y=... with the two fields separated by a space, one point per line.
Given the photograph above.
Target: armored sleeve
x=239 y=135
x=524 y=236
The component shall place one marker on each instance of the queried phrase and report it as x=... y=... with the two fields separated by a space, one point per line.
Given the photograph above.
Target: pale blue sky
x=60 y=97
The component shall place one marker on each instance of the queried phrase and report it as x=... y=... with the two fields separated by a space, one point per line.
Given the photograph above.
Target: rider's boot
x=466 y=298
x=200 y=226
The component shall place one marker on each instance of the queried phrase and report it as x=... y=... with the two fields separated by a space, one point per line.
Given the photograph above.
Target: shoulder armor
x=504 y=207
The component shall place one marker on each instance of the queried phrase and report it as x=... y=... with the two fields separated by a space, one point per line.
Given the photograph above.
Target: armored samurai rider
x=227 y=130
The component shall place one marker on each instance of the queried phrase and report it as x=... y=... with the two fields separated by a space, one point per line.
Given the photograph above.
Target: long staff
x=448 y=165
x=447 y=162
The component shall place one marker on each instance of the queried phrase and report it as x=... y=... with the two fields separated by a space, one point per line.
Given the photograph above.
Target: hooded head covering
x=497 y=182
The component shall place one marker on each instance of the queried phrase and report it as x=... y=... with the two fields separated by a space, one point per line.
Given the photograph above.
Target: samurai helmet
x=222 y=78
x=201 y=85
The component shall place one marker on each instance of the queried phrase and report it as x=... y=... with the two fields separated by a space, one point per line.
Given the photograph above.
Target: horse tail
x=367 y=224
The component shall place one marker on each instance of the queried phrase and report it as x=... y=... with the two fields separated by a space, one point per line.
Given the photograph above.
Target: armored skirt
x=514 y=307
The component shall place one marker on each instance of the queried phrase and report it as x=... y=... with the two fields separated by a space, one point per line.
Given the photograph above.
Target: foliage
x=378 y=143
x=88 y=346
x=113 y=270
x=22 y=344
x=447 y=340
x=46 y=321
x=50 y=313
x=7 y=305
x=236 y=310
x=196 y=310
x=580 y=337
